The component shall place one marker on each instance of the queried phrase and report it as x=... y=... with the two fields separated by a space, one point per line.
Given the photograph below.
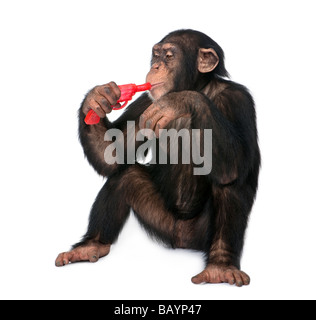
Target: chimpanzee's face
x=165 y=66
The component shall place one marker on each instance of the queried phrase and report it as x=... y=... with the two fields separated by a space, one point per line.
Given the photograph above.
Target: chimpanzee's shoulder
x=236 y=90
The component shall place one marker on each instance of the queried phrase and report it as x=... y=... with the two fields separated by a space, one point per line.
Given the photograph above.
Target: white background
x=53 y=52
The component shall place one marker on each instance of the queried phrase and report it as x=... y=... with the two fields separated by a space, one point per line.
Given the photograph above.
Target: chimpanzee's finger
x=110 y=92
x=152 y=121
x=147 y=115
x=115 y=89
x=161 y=124
x=96 y=107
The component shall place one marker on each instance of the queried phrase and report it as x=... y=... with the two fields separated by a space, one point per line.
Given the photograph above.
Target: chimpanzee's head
x=184 y=60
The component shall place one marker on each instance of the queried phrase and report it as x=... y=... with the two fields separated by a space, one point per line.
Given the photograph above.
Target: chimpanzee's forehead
x=181 y=39
x=164 y=46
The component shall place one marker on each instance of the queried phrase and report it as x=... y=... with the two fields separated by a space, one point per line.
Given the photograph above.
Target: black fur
x=198 y=212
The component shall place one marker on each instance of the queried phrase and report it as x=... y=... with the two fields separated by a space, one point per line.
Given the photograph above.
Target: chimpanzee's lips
x=156 y=85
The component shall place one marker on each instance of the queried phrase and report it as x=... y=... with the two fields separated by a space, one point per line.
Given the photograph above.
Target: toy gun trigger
x=121 y=107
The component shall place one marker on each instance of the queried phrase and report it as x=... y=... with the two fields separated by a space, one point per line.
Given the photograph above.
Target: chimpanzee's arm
x=230 y=115
x=235 y=147
x=92 y=136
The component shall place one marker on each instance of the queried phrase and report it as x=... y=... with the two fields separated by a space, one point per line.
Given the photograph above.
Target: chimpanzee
x=209 y=213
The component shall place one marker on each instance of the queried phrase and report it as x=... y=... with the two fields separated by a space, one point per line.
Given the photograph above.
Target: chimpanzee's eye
x=169 y=56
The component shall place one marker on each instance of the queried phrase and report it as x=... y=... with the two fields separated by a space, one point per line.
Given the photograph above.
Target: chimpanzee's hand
x=101 y=99
x=166 y=109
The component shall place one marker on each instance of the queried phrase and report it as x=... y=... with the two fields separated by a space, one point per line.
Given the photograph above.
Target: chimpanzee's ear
x=207 y=60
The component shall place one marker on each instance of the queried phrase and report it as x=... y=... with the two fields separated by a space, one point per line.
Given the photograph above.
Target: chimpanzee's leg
x=131 y=188
x=142 y=194
x=107 y=218
x=231 y=208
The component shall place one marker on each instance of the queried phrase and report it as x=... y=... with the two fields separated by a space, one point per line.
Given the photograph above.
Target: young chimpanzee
x=206 y=212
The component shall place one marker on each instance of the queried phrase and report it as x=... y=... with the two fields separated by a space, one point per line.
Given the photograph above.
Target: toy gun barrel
x=127 y=93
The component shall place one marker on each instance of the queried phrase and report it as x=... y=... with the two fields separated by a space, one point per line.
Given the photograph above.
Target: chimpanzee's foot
x=92 y=251
x=222 y=274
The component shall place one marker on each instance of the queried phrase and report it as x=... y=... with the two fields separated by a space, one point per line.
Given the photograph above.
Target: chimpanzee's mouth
x=156 y=85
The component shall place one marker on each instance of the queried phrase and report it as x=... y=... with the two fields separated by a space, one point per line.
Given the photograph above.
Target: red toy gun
x=127 y=93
